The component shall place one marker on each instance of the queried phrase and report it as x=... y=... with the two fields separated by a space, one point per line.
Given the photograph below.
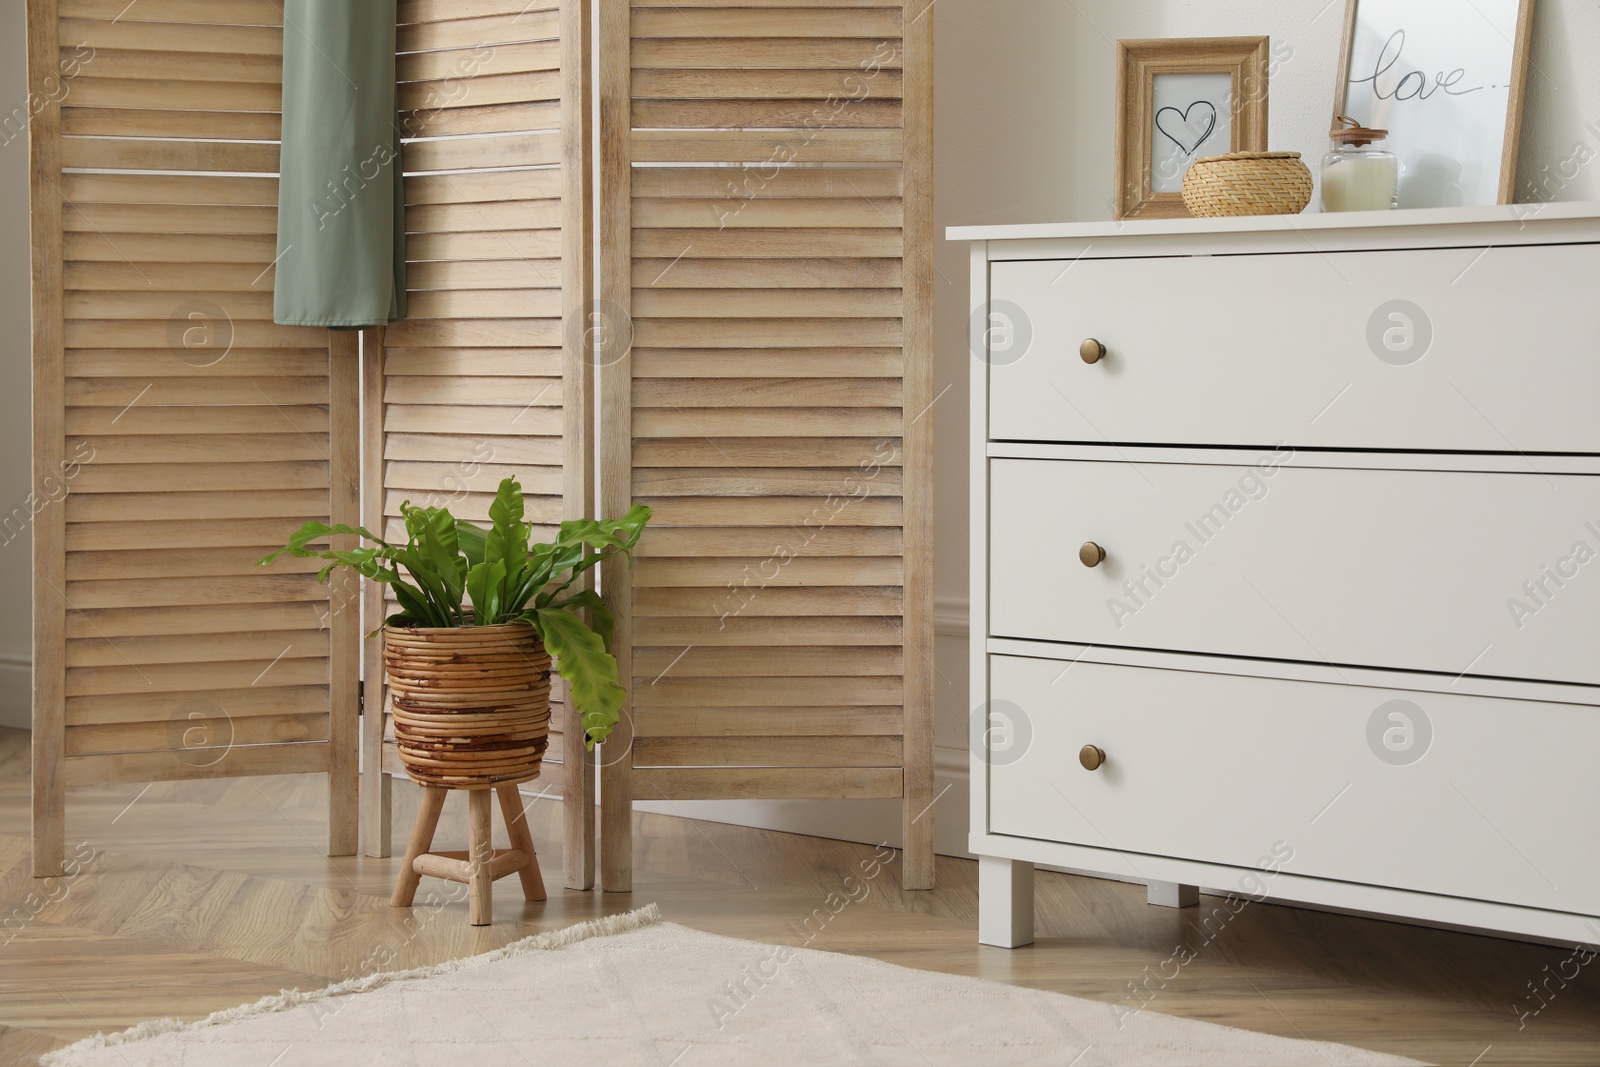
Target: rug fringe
x=649 y=915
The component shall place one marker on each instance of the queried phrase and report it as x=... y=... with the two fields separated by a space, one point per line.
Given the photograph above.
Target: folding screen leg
x=49 y=805
x=616 y=813
x=917 y=860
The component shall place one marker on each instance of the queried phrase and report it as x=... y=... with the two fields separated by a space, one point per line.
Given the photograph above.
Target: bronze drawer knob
x=1091 y=757
x=1091 y=554
x=1092 y=351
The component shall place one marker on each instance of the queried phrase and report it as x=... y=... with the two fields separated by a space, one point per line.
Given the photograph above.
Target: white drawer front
x=1262 y=349
x=1488 y=574
x=1223 y=769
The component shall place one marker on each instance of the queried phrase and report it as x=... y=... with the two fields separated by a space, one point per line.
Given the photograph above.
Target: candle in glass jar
x=1360 y=184
x=1359 y=174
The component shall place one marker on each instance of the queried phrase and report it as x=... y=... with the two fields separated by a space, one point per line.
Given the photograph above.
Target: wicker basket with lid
x=1247 y=183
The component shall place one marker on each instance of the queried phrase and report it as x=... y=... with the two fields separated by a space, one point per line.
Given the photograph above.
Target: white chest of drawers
x=1286 y=563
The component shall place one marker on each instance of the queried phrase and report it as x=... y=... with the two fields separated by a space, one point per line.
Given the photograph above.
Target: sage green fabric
x=341 y=209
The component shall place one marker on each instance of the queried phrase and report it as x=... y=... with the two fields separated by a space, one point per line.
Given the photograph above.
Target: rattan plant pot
x=1247 y=183
x=471 y=704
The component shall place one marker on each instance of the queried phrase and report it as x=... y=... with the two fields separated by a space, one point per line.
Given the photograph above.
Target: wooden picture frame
x=1516 y=86
x=1148 y=188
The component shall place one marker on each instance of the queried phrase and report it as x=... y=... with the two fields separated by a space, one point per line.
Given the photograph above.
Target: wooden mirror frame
x=1138 y=63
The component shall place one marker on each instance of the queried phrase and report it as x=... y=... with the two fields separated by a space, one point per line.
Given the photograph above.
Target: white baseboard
x=870 y=822
x=16 y=690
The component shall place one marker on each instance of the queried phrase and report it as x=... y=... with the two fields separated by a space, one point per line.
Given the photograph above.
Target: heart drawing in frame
x=1185 y=132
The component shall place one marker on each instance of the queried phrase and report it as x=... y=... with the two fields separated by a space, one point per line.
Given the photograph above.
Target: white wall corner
x=16 y=690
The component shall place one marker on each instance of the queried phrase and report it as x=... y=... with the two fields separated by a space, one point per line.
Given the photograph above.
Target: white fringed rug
x=631 y=989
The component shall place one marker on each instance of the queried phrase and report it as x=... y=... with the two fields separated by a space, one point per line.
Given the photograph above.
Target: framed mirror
x=1446 y=79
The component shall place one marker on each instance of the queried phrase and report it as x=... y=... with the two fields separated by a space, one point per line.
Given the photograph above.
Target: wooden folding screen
x=766 y=280
x=178 y=434
x=763 y=343
x=489 y=375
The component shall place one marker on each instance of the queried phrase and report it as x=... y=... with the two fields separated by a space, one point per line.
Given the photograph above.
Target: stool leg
x=480 y=881
x=405 y=888
x=522 y=840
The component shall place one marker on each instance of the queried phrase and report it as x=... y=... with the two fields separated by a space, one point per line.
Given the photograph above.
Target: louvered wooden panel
x=179 y=434
x=487 y=375
x=765 y=243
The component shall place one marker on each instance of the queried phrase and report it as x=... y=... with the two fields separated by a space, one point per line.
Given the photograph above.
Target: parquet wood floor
x=203 y=895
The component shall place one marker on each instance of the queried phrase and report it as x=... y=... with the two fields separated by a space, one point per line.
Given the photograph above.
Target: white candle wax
x=1358 y=184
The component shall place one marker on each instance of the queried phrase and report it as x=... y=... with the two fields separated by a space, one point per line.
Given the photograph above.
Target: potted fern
x=482 y=612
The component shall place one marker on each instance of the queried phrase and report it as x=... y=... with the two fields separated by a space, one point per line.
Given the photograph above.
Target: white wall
x=16 y=597
x=1561 y=124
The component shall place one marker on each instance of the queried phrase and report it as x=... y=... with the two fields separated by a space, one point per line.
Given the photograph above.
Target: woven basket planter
x=1247 y=183
x=471 y=704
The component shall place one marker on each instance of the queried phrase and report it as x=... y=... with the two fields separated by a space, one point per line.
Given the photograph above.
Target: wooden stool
x=482 y=863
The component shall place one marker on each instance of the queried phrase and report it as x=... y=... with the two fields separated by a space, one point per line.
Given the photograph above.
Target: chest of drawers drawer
x=1494 y=574
x=1441 y=793
x=1416 y=349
